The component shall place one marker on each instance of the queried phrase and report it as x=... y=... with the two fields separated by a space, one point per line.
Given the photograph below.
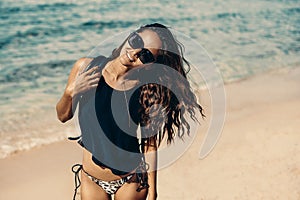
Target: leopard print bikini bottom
x=110 y=187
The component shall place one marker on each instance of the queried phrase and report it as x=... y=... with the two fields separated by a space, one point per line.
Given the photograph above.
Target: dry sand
x=257 y=156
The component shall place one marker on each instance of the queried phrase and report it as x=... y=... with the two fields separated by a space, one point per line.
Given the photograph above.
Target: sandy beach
x=257 y=156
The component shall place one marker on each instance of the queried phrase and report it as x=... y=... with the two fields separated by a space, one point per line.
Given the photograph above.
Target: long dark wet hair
x=162 y=112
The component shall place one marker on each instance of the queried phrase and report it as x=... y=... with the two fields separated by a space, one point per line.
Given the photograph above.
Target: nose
x=133 y=54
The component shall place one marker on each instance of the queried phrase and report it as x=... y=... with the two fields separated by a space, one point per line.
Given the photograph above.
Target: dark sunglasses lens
x=146 y=56
x=135 y=41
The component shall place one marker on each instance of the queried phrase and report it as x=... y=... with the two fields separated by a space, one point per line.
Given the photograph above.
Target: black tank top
x=108 y=121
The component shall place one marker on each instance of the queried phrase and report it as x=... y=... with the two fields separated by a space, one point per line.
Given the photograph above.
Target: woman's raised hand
x=86 y=80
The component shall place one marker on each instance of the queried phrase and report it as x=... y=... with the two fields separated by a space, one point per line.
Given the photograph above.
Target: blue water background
x=40 y=41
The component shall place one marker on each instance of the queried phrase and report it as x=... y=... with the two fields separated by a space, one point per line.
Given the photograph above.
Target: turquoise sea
x=40 y=41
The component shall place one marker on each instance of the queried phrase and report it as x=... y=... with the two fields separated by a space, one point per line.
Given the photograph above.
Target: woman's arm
x=78 y=82
x=151 y=159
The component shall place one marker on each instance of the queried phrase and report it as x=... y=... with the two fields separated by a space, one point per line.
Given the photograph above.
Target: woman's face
x=138 y=49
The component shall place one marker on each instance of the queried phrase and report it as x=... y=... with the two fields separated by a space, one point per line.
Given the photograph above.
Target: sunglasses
x=136 y=42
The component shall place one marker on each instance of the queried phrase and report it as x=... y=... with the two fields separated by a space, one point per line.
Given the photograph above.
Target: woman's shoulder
x=80 y=65
x=82 y=62
x=85 y=63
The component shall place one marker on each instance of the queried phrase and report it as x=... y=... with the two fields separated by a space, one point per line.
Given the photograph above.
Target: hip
x=100 y=172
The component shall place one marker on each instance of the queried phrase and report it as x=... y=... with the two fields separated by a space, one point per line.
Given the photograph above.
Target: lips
x=130 y=58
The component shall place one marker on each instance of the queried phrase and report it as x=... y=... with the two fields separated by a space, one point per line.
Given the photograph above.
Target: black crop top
x=108 y=121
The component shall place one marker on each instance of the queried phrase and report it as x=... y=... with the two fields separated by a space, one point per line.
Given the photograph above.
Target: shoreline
x=253 y=159
x=62 y=131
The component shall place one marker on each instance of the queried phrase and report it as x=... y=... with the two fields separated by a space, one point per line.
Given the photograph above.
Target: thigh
x=91 y=191
x=128 y=191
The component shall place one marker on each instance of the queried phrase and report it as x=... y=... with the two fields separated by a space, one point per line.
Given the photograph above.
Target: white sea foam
x=40 y=41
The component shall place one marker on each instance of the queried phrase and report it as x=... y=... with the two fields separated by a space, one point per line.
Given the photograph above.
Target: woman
x=118 y=95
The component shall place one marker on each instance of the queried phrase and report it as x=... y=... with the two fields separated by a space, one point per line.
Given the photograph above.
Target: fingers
x=95 y=75
x=87 y=85
x=93 y=86
x=93 y=81
x=92 y=70
x=88 y=79
x=82 y=71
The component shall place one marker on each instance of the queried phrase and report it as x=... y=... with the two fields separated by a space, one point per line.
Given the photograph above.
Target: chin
x=125 y=61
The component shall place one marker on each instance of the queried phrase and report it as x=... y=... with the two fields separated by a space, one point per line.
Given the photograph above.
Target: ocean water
x=40 y=41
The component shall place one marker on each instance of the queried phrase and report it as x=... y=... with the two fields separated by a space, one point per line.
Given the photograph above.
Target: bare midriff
x=97 y=171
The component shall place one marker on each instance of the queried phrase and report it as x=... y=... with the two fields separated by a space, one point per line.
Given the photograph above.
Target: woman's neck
x=115 y=74
x=114 y=70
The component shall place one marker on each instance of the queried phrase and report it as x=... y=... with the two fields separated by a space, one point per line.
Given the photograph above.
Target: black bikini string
x=77 y=179
x=141 y=176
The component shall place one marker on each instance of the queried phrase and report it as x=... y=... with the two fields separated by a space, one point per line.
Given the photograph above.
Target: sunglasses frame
x=133 y=44
x=145 y=55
